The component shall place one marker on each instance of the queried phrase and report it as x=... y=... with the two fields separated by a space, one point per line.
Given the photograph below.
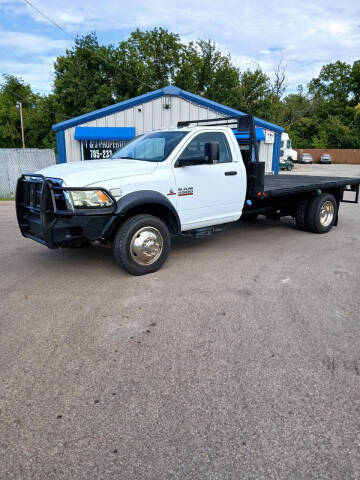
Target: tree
x=204 y=70
x=254 y=93
x=155 y=55
x=38 y=114
x=355 y=82
x=333 y=83
x=295 y=106
x=84 y=77
x=302 y=132
x=334 y=134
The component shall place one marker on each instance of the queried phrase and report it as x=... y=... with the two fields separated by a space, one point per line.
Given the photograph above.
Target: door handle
x=232 y=172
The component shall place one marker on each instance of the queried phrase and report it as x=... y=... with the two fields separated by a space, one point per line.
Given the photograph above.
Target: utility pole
x=19 y=107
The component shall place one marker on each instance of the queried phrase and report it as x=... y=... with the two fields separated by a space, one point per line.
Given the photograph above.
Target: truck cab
x=286 y=150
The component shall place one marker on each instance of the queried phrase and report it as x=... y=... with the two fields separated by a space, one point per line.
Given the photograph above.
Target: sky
x=305 y=34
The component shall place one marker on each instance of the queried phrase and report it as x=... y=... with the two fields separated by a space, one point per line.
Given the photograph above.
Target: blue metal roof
x=170 y=90
x=104 y=133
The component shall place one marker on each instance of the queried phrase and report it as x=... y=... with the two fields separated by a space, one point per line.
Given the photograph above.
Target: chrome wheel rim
x=327 y=213
x=146 y=246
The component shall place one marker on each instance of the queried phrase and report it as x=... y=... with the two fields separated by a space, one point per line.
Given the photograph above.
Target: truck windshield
x=151 y=147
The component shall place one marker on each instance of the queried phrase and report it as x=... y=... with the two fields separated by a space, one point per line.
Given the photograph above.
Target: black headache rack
x=42 y=204
x=241 y=124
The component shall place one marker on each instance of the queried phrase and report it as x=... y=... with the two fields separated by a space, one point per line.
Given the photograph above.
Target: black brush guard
x=44 y=216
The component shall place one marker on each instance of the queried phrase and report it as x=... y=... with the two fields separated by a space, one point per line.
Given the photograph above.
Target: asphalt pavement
x=239 y=359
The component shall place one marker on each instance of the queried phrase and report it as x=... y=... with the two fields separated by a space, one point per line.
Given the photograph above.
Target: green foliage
x=333 y=134
x=254 y=94
x=90 y=76
x=37 y=114
x=84 y=78
x=333 y=83
x=156 y=54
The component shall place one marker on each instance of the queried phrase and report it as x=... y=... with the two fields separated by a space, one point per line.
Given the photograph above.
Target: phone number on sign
x=98 y=154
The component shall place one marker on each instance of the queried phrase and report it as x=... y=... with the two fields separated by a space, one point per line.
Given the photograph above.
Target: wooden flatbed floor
x=278 y=185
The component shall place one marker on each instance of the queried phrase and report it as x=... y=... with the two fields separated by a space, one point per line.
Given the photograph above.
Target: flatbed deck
x=279 y=185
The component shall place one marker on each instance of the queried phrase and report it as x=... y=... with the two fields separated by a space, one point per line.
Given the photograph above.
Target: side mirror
x=188 y=162
x=212 y=152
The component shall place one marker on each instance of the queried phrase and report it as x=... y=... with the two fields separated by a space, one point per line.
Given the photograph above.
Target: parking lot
x=238 y=360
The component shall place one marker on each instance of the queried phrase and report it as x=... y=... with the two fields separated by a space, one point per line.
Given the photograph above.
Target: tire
x=142 y=244
x=322 y=213
x=301 y=214
x=289 y=168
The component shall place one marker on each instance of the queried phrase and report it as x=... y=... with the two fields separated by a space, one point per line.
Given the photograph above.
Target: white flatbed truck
x=192 y=180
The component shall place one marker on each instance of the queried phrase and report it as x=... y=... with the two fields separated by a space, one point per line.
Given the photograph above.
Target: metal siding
x=101 y=122
x=129 y=117
x=104 y=112
x=166 y=112
x=71 y=145
x=266 y=155
x=156 y=114
x=147 y=113
x=139 y=118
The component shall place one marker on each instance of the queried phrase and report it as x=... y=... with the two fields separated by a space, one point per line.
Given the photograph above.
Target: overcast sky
x=307 y=34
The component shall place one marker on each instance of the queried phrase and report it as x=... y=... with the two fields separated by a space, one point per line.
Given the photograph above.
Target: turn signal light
x=104 y=198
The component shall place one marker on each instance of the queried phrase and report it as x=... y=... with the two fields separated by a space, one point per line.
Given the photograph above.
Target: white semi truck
x=286 y=151
x=191 y=180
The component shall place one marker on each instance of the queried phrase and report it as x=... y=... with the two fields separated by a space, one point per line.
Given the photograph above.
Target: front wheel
x=142 y=244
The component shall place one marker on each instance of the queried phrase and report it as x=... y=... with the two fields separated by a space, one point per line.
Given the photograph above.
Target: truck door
x=210 y=194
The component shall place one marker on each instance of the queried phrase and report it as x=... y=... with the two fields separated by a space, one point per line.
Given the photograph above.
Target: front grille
x=31 y=194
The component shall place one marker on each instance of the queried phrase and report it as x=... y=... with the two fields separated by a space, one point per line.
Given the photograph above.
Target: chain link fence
x=16 y=161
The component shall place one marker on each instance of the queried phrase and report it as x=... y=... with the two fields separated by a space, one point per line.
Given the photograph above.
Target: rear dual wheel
x=317 y=214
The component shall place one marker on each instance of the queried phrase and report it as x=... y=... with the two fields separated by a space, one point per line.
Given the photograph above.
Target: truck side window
x=196 y=147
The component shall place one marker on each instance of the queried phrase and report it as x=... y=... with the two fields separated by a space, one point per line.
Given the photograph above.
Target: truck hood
x=82 y=174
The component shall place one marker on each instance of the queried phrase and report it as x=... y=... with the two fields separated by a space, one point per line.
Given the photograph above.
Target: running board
x=205 y=231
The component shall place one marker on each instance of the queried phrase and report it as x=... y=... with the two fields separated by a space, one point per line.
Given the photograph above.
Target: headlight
x=90 y=199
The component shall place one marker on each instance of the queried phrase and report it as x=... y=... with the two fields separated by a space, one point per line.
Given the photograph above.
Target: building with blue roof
x=96 y=135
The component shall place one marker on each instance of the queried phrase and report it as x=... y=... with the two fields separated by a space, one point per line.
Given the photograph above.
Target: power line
x=49 y=19
x=98 y=54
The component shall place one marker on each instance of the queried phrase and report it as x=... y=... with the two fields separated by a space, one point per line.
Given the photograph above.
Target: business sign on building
x=100 y=149
x=269 y=136
x=100 y=143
